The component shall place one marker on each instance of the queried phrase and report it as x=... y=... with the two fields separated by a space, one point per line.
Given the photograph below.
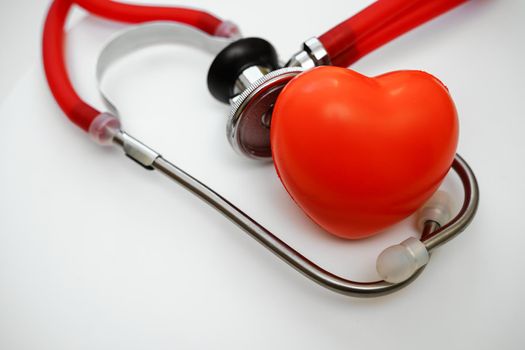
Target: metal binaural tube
x=432 y=238
x=272 y=242
x=428 y=228
x=467 y=211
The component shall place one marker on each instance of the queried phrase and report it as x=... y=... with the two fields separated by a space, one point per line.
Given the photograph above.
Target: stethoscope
x=247 y=74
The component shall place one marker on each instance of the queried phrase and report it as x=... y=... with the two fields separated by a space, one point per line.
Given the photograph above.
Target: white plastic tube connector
x=228 y=29
x=437 y=209
x=104 y=128
x=399 y=262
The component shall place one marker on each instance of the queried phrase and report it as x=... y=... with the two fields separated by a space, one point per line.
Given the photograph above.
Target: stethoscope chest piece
x=247 y=75
x=248 y=126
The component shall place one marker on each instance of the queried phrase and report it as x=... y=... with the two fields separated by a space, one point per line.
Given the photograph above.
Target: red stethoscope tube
x=378 y=24
x=346 y=43
x=398 y=26
x=60 y=85
x=137 y=14
x=78 y=111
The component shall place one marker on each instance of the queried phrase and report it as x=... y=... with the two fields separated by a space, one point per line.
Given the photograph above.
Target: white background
x=96 y=253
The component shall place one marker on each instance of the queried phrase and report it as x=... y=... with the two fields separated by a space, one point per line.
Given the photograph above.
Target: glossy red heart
x=359 y=154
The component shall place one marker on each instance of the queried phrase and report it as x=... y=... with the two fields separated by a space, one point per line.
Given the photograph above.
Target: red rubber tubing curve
x=383 y=20
x=78 y=111
x=121 y=12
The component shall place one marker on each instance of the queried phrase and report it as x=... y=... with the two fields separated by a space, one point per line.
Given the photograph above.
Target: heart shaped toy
x=359 y=154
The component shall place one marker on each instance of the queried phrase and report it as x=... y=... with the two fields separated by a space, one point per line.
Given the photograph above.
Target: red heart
x=358 y=154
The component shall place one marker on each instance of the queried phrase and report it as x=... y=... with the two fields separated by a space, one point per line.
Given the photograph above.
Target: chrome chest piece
x=247 y=74
x=248 y=127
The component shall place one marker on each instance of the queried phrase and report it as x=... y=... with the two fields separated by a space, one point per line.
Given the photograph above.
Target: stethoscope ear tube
x=399 y=265
x=466 y=214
